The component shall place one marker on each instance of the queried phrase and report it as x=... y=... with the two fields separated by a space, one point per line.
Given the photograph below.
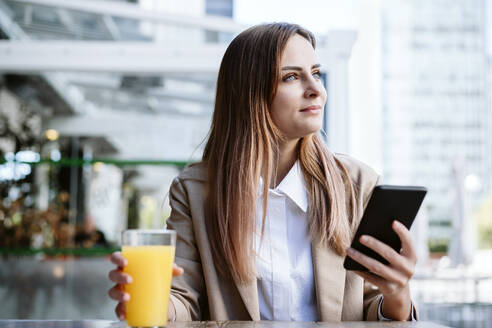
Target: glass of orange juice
x=150 y=256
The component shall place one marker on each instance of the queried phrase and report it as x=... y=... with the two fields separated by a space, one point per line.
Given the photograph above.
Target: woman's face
x=297 y=109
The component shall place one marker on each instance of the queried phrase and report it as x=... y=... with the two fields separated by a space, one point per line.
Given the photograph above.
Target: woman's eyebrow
x=298 y=68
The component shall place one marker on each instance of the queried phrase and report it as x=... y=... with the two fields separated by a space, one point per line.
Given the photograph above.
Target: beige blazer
x=201 y=294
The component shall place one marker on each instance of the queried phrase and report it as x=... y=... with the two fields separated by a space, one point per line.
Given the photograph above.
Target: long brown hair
x=243 y=145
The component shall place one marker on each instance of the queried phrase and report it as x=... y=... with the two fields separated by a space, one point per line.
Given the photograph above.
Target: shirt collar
x=293 y=186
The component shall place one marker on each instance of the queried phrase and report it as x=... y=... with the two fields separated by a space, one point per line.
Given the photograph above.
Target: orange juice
x=151 y=270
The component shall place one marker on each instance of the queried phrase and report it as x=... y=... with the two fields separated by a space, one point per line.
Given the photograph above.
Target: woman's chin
x=311 y=130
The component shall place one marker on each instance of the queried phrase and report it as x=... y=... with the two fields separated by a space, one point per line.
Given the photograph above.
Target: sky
x=488 y=17
x=318 y=16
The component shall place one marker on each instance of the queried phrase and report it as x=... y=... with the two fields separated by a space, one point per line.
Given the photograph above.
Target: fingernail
x=129 y=280
x=126 y=297
x=121 y=317
x=363 y=239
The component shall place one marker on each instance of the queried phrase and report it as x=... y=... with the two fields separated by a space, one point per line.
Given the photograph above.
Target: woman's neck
x=287 y=158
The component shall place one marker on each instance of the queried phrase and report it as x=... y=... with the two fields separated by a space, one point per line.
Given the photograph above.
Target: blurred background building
x=436 y=119
x=103 y=102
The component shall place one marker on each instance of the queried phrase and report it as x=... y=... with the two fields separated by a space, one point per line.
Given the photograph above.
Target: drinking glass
x=150 y=256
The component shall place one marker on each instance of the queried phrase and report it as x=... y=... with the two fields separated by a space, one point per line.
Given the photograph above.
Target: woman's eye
x=317 y=75
x=290 y=77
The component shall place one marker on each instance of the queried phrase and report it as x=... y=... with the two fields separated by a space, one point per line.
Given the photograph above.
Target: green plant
x=438 y=245
x=484 y=223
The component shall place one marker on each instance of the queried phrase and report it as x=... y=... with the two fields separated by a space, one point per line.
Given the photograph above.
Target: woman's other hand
x=117 y=276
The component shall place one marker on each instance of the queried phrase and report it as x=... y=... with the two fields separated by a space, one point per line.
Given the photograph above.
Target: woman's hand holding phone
x=392 y=279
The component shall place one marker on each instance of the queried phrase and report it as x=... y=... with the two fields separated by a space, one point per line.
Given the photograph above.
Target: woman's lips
x=312 y=109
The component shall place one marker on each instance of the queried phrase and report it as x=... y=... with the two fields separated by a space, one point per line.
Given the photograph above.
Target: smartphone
x=387 y=203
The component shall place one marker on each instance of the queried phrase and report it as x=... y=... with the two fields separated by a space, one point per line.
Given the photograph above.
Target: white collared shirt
x=284 y=265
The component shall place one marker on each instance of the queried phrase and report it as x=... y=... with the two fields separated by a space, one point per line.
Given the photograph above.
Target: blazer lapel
x=249 y=294
x=329 y=279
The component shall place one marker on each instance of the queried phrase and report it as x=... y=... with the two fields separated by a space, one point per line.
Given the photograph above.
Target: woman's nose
x=313 y=88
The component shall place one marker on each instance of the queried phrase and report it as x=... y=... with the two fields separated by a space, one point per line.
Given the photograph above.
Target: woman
x=265 y=220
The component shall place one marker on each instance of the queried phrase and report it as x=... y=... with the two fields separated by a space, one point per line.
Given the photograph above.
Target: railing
x=456 y=300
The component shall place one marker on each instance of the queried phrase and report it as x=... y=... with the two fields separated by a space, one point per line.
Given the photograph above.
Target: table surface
x=212 y=324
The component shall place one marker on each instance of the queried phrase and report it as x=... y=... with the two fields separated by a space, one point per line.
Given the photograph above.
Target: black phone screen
x=387 y=203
